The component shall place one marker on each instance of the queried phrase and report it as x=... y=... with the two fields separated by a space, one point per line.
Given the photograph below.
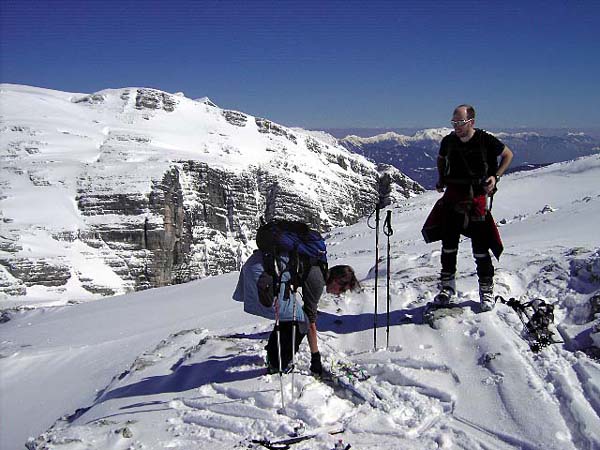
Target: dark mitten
x=315 y=363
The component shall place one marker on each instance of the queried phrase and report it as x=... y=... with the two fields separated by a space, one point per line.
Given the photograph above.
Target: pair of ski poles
x=292 y=298
x=388 y=231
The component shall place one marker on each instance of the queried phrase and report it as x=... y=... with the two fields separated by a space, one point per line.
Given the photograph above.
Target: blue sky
x=323 y=64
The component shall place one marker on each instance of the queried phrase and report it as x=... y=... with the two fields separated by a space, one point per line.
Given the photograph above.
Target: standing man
x=468 y=172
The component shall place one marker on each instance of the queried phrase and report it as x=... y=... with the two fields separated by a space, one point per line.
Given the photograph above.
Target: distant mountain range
x=340 y=133
x=415 y=155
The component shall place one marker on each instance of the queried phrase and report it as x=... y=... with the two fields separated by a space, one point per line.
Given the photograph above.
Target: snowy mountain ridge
x=126 y=189
x=182 y=367
x=432 y=134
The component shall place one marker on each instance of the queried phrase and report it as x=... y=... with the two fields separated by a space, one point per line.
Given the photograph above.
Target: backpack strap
x=293 y=268
x=472 y=178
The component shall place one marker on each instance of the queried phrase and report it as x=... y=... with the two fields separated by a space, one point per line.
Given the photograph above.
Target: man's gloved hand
x=315 y=363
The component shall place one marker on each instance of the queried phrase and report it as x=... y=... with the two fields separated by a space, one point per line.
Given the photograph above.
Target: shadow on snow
x=222 y=369
x=217 y=369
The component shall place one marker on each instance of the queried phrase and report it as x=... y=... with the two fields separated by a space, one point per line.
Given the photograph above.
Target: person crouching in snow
x=336 y=280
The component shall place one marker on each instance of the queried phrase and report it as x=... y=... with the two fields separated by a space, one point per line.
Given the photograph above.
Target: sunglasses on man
x=460 y=123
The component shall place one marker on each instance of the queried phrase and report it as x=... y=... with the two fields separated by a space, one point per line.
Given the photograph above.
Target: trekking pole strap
x=387 y=224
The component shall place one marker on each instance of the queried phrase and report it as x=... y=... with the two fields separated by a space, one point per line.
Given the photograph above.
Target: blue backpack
x=286 y=252
x=302 y=246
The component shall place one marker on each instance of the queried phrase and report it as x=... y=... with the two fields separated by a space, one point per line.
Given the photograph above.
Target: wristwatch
x=497 y=177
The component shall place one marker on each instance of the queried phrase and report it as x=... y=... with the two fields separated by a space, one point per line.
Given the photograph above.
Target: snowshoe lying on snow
x=537 y=317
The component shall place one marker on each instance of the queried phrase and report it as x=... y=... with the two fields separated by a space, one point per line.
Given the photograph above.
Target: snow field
x=182 y=367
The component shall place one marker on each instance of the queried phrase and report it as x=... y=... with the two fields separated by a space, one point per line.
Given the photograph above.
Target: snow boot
x=447 y=290
x=486 y=294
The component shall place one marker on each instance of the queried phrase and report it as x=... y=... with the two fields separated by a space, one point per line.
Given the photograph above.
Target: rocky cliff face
x=135 y=188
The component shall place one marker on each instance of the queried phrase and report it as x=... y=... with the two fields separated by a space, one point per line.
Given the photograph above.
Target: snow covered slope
x=131 y=188
x=181 y=367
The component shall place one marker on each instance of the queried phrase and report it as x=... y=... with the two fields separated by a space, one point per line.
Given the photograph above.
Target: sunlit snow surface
x=182 y=367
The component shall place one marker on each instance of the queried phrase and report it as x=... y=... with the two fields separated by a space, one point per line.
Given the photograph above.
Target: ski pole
x=280 y=295
x=387 y=230
x=294 y=324
x=377 y=208
x=278 y=331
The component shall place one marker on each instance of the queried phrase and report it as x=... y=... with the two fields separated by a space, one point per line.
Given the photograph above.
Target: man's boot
x=447 y=290
x=486 y=293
